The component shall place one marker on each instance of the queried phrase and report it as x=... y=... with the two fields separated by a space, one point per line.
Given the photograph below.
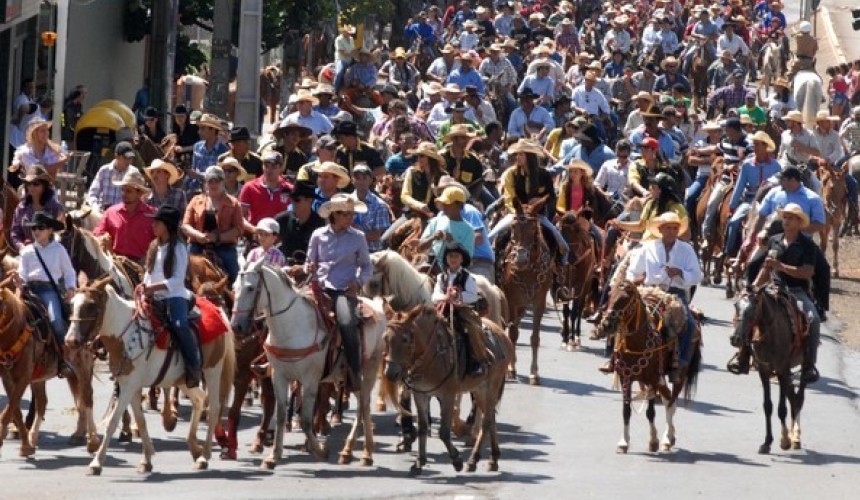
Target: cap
x=361 y=168
x=124 y=148
x=269 y=225
x=272 y=156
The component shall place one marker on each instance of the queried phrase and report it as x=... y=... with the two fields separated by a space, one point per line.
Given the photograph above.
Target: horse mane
x=408 y=286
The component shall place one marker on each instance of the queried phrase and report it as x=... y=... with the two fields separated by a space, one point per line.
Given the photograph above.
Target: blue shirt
x=470 y=77
x=204 y=158
x=424 y=30
x=595 y=158
x=473 y=216
x=461 y=232
x=751 y=176
x=518 y=120
x=341 y=258
x=543 y=86
x=398 y=163
x=778 y=198
x=667 y=145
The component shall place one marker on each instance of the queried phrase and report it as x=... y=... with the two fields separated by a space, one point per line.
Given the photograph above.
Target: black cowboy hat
x=43 y=219
x=303 y=189
x=589 y=133
x=458 y=106
x=169 y=215
x=151 y=112
x=454 y=246
x=180 y=109
x=240 y=134
x=528 y=93
x=345 y=128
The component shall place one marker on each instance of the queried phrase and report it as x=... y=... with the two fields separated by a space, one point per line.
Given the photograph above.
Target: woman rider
x=339 y=259
x=164 y=282
x=577 y=192
x=524 y=182
x=39 y=198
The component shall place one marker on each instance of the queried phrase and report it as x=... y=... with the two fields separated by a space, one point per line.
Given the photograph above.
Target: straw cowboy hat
x=232 y=162
x=452 y=88
x=330 y=167
x=429 y=150
x=669 y=60
x=781 y=82
x=37 y=173
x=459 y=130
x=304 y=95
x=823 y=115
x=432 y=88
x=210 y=120
x=794 y=116
x=667 y=218
x=580 y=165
x=711 y=126
x=797 y=211
x=525 y=146
x=170 y=168
x=643 y=95
x=133 y=179
x=341 y=202
x=399 y=53
x=761 y=136
x=36 y=123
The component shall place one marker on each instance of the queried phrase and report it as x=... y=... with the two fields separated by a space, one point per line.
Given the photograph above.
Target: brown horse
x=10 y=201
x=406 y=238
x=527 y=274
x=578 y=277
x=638 y=319
x=713 y=243
x=768 y=313
x=422 y=351
x=270 y=91
x=834 y=193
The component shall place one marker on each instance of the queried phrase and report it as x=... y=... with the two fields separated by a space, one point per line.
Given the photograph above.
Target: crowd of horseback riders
x=542 y=147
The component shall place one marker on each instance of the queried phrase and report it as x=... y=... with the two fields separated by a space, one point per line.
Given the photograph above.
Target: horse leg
x=480 y=401
x=265 y=435
x=125 y=432
x=229 y=438
x=650 y=413
x=281 y=392
x=624 y=443
x=368 y=380
x=407 y=422
x=764 y=375
x=121 y=400
x=446 y=408
x=309 y=397
x=669 y=436
x=39 y=404
x=796 y=405
x=198 y=403
x=514 y=335
x=578 y=308
x=422 y=403
x=490 y=424
x=782 y=411
x=537 y=315
x=169 y=412
x=152 y=397
x=836 y=248
x=565 y=330
x=15 y=392
x=145 y=465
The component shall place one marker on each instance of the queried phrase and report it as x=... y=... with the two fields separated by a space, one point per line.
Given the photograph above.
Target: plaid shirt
x=103 y=193
x=175 y=197
x=204 y=158
x=568 y=41
x=377 y=218
x=732 y=95
x=503 y=72
x=272 y=256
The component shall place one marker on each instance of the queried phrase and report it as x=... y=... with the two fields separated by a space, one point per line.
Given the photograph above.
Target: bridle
x=257 y=293
x=421 y=360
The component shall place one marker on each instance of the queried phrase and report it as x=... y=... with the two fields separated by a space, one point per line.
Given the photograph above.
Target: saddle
x=799 y=322
x=204 y=320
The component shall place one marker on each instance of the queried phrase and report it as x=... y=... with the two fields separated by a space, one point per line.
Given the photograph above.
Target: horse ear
x=70 y=221
x=415 y=311
x=389 y=311
x=518 y=207
x=102 y=283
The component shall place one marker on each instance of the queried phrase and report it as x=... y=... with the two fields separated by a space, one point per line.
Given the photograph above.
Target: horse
x=834 y=193
x=406 y=238
x=423 y=353
x=136 y=362
x=636 y=317
x=297 y=346
x=773 y=64
x=86 y=217
x=88 y=257
x=527 y=274
x=769 y=315
x=702 y=60
x=713 y=243
x=270 y=91
x=578 y=277
x=853 y=167
x=809 y=94
x=7 y=208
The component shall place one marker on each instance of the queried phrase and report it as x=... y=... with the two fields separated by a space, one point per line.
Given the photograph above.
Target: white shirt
x=613 y=176
x=468 y=295
x=56 y=259
x=829 y=145
x=651 y=263
x=440 y=70
x=556 y=72
x=176 y=282
x=619 y=39
x=438 y=116
x=488 y=114
x=347 y=45
x=593 y=101
x=316 y=121
x=734 y=45
x=787 y=153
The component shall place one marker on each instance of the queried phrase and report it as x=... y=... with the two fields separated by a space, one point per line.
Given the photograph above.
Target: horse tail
x=693 y=373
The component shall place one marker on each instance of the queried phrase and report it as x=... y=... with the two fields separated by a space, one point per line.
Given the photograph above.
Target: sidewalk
x=837 y=40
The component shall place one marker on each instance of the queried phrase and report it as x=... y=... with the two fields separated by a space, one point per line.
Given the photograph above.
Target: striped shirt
x=174 y=197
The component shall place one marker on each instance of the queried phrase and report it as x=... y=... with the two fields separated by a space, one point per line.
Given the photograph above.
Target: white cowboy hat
x=525 y=146
x=232 y=162
x=761 y=136
x=134 y=179
x=797 y=211
x=447 y=181
x=429 y=150
x=794 y=116
x=330 y=167
x=170 y=168
x=667 y=218
x=210 y=120
x=580 y=165
x=341 y=202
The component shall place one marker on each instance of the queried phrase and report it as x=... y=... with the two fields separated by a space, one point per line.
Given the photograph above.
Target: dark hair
x=491 y=127
x=170 y=259
x=623 y=144
x=47 y=195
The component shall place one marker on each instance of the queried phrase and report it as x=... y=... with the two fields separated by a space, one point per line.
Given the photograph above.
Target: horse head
x=525 y=235
x=621 y=307
x=247 y=290
x=405 y=336
x=88 y=309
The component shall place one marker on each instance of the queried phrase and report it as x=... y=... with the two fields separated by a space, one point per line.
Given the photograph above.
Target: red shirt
x=263 y=202
x=131 y=232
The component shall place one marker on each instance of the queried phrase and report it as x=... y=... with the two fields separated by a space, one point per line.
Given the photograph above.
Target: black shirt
x=296 y=236
x=801 y=252
x=186 y=137
x=252 y=163
x=364 y=153
x=468 y=170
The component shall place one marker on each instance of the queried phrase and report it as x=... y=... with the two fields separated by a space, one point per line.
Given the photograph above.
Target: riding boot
x=609 y=366
x=740 y=362
x=472 y=326
x=192 y=377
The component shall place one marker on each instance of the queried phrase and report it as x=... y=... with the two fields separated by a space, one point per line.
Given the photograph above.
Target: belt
x=674 y=289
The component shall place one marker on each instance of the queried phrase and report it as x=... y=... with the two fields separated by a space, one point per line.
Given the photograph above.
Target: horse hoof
x=94 y=471
x=415 y=470
x=718 y=279
x=345 y=459
x=570 y=346
x=764 y=449
x=795 y=445
x=256 y=448
x=563 y=344
x=201 y=464
x=653 y=447
x=404 y=447
x=144 y=468
x=321 y=454
x=512 y=376
x=27 y=451
x=169 y=424
x=124 y=437
x=534 y=380
x=77 y=440
x=471 y=466
x=458 y=464
x=381 y=406
x=785 y=443
x=666 y=447
x=268 y=464
x=136 y=433
x=622 y=450
x=365 y=461
x=493 y=467
x=93 y=446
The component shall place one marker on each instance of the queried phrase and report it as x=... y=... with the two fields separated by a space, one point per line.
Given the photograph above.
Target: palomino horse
x=834 y=193
x=637 y=317
x=136 y=362
x=297 y=346
x=423 y=353
x=30 y=356
x=527 y=274
x=767 y=318
x=578 y=277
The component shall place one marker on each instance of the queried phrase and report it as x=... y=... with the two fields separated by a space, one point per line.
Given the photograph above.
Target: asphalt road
x=558 y=441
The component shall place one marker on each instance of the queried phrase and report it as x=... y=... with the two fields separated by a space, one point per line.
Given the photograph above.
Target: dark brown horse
x=713 y=243
x=527 y=274
x=646 y=324
x=578 y=277
x=769 y=319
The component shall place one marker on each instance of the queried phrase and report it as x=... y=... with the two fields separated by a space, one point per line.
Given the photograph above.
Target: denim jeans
x=685 y=340
x=733 y=239
x=694 y=191
x=177 y=312
x=346 y=313
x=229 y=258
x=53 y=304
x=809 y=309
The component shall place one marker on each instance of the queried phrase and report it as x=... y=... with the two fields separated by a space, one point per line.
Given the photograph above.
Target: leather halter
x=418 y=361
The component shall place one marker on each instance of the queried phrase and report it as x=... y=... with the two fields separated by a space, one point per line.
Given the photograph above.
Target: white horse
x=297 y=346
x=136 y=363
x=808 y=94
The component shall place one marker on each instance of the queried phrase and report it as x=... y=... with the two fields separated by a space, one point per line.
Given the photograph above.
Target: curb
x=831 y=34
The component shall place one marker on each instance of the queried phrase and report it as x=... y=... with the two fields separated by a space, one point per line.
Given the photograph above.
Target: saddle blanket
x=210 y=325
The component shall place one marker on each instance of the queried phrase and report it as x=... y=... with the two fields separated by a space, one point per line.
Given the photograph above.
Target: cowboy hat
x=169 y=215
x=361 y=51
x=432 y=88
x=528 y=93
x=459 y=130
x=456 y=246
x=170 y=168
x=44 y=219
x=451 y=194
x=795 y=210
x=447 y=181
x=781 y=82
x=232 y=162
x=304 y=95
x=288 y=124
x=429 y=150
x=652 y=112
x=580 y=165
x=761 y=136
x=345 y=128
x=211 y=121
x=330 y=167
x=452 y=88
x=134 y=179
x=525 y=146
x=37 y=173
x=323 y=88
x=746 y=120
x=669 y=60
x=447 y=49
x=268 y=225
x=643 y=95
x=341 y=202
x=667 y=218
x=711 y=126
x=399 y=53
x=588 y=133
x=824 y=115
x=794 y=116
x=458 y=106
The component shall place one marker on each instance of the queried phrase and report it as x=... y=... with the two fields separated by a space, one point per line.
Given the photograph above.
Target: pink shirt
x=576 y=197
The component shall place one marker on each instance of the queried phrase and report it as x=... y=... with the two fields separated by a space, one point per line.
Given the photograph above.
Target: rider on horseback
x=456 y=289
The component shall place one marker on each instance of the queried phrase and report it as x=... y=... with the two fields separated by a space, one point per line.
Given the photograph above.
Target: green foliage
x=188 y=55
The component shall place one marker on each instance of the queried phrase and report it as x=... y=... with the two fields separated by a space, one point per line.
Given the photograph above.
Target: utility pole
x=247 y=78
x=165 y=14
x=219 y=79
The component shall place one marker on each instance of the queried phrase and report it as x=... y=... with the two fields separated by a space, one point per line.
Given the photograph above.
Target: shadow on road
x=682 y=456
x=567 y=386
x=811 y=457
x=833 y=387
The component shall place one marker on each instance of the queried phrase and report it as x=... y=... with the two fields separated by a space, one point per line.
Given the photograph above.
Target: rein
x=542 y=270
x=422 y=360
